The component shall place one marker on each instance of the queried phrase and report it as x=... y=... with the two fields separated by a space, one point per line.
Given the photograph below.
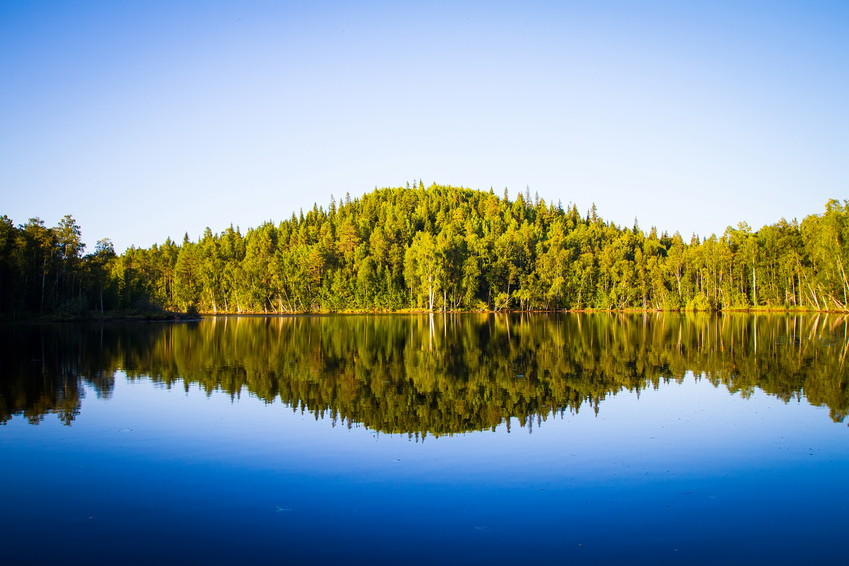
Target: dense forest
x=440 y=248
x=431 y=374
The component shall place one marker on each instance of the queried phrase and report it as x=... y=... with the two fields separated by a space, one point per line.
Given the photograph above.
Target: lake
x=456 y=439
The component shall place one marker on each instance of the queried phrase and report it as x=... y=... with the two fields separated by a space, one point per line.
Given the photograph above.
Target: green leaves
x=435 y=248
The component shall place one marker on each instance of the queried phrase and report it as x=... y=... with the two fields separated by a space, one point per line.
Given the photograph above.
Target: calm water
x=465 y=439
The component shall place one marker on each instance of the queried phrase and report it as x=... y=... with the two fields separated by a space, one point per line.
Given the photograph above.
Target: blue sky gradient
x=148 y=120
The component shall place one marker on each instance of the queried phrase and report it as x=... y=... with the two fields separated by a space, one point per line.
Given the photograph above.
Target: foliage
x=437 y=249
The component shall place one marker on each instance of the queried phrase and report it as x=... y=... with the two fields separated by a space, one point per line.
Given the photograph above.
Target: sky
x=148 y=120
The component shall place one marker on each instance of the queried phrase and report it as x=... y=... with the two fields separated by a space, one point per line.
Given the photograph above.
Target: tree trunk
x=43 y=277
x=754 y=283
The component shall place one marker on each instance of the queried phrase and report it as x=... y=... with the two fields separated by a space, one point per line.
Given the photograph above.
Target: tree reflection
x=431 y=374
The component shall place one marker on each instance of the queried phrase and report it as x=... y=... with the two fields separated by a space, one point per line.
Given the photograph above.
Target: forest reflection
x=424 y=374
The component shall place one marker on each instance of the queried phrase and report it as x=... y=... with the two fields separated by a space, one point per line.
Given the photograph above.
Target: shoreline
x=186 y=317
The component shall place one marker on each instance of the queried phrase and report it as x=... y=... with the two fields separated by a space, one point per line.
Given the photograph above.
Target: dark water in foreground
x=466 y=439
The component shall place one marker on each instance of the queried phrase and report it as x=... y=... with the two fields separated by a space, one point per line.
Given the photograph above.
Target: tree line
x=432 y=374
x=440 y=248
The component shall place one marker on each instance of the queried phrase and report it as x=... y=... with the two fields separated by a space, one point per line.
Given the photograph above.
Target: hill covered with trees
x=435 y=248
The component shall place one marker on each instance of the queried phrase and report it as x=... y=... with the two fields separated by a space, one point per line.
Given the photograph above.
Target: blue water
x=683 y=474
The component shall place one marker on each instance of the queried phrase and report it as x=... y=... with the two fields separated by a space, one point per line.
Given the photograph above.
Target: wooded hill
x=436 y=248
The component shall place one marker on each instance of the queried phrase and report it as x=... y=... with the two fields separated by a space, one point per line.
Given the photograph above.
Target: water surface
x=456 y=439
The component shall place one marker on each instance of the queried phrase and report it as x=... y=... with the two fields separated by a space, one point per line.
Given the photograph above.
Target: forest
x=439 y=248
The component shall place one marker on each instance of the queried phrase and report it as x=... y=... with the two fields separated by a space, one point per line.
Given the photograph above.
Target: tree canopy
x=440 y=248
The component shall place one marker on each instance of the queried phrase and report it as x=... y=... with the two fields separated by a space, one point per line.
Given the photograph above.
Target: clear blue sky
x=150 y=119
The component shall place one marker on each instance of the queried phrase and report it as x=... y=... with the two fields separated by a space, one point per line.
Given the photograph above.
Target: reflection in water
x=430 y=374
